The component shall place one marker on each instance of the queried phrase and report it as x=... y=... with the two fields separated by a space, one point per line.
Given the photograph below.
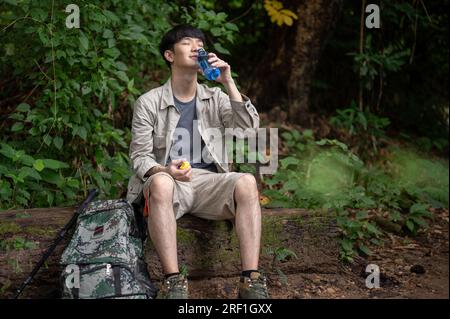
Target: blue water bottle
x=209 y=72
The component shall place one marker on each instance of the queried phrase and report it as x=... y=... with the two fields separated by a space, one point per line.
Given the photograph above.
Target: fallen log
x=293 y=241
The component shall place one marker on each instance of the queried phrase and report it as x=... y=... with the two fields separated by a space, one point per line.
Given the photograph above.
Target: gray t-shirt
x=183 y=145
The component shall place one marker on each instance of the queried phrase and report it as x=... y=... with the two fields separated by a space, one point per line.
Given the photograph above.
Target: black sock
x=246 y=273
x=171 y=274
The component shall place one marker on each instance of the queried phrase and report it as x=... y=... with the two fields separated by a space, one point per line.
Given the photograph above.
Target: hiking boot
x=253 y=287
x=174 y=287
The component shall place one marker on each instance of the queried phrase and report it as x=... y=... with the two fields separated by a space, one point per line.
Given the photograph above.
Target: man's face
x=184 y=53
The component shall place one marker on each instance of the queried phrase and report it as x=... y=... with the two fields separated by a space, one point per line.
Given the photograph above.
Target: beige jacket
x=155 y=118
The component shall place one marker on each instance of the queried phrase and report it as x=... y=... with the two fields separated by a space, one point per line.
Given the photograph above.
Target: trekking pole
x=59 y=237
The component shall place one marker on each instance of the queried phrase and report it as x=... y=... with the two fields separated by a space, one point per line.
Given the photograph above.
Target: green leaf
x=50 y=198
x=82 y=132
x=290 y=185
x=48 y=140
x=410 y=225
x=121 y=66
x=28 y=171
x=7 y=150
x=287 y=136
x=420 y=221
x=216 y=31
x=23 y=107
x=27 y=160
x=38 y=14
x=86 y=90
x=53 y=178
x=58 y=142
x=39 y=165
x=308 y=133
x=418 y=209
x=107 y=34
x=54 y=164
x=372 y=228
x=203 y=24
x=285 y=162
x=112 y=52
x=130 y=86
x=99 y=180
x=296 y=134
x=23 y=172
x=231 y=26
x=17 y=127
x=122 y=76
x=219 y=48
x=347 y=245
x=84 y=41
x=17 y=117
x=74 y=183
x=365 y=250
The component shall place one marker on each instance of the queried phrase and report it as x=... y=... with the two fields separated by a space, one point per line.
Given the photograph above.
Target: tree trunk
x=286 y=72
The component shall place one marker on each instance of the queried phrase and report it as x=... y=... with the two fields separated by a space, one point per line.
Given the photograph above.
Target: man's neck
x=184 y=84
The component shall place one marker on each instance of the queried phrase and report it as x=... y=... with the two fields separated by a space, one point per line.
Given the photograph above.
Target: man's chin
x=190 y=68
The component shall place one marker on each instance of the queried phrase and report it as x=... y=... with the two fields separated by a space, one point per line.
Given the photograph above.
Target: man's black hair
x=175 y=35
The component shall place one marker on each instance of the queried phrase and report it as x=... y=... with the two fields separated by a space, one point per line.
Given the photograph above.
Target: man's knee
x=161 y=188
x=246 y=187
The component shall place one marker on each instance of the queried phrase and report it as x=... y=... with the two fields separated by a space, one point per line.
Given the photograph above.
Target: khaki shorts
x=208 y=195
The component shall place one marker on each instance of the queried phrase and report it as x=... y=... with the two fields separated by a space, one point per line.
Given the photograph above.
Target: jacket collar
x=203 y=93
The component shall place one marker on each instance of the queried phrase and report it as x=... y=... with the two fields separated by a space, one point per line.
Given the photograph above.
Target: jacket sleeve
x=237 y=114
x=141 y=146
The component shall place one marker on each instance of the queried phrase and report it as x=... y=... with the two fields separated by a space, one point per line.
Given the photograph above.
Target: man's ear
x=168 y=55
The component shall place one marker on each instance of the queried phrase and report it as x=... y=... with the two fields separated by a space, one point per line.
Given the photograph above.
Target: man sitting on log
x=176 y=117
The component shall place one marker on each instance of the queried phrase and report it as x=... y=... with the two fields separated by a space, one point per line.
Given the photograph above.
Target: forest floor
x=410 y=267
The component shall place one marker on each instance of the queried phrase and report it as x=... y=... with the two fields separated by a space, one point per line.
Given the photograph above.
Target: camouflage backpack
x=104 y=258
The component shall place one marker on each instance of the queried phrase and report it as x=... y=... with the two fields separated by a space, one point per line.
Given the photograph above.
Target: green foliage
x=280 y=254
x=216 y=24
x=414 y=220
x=15 y=265
x=372 y=63
x=325 y=174
x=69 y=131
x=16 y=243
x=244 y=158
x=315 y=174
x=367 y=128
x=184 y=270
x=402 y=70
x=425 y=179
x=9 y=228
x=23 y=177
x=356 y=230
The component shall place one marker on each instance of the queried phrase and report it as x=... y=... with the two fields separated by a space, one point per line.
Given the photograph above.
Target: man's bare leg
x=162 y=224
x=248 y=221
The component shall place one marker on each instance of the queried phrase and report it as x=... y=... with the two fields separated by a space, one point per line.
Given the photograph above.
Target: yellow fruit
x=264 y=200
x=185 y=165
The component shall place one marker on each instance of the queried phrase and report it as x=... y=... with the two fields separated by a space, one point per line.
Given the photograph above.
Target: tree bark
x=287 y=70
